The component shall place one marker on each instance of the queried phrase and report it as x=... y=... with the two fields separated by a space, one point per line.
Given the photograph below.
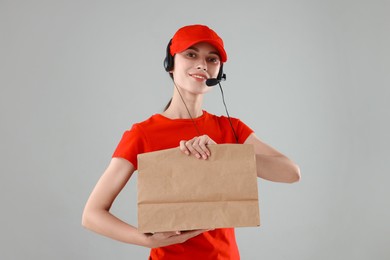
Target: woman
x=196 y=53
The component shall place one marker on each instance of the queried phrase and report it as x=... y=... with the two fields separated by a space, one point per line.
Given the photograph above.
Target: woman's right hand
x=160 y=239
x=197 y=146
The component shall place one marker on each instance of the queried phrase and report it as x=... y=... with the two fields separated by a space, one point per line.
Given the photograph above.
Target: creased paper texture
x=177 y=192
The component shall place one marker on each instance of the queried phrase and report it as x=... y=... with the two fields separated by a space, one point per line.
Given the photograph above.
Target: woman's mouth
x=199 y=77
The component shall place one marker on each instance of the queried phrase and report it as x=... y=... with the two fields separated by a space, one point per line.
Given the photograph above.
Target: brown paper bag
x=177 y=192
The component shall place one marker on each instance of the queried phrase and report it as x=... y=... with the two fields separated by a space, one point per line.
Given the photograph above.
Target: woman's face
x=194 y=65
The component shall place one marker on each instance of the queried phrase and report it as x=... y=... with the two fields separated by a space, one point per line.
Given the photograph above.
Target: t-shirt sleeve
x=133 y=142
x=243 y=131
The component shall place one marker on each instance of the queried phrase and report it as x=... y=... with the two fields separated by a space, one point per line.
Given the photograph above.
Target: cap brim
x=222 y=53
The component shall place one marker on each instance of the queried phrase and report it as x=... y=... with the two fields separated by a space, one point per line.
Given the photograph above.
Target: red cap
x=189 y=35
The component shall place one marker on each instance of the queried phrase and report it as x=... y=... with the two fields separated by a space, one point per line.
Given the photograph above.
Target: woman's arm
x=97 y=216
x=271 y=164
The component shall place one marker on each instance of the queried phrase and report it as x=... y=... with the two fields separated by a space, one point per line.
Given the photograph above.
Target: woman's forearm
x=104 y=223
x=277 y=168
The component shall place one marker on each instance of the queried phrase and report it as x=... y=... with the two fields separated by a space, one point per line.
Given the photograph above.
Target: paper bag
x=177 y=192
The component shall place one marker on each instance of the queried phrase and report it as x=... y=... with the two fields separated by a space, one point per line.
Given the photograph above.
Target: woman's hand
x=161 y=239
x=197 y=146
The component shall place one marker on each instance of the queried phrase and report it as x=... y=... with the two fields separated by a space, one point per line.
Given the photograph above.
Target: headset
x=169 y=64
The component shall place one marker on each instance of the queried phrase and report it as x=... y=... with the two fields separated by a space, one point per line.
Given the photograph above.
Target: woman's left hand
x=197 y=146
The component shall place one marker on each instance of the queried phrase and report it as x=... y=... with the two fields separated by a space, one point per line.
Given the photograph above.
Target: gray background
x=310 y=77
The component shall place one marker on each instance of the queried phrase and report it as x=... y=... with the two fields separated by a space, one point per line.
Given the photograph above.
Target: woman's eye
x=191 y=55
x=213 y=59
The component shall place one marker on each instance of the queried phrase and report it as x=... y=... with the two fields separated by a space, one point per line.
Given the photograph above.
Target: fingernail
x=197 y=155
x=187 y=152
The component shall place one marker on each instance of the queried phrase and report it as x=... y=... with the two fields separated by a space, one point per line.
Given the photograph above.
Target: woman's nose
x=202 y=65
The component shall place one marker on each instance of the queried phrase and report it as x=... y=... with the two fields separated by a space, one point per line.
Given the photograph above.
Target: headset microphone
x=214 y=81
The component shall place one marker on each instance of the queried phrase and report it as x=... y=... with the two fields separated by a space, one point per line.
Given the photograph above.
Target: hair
x=167 y=105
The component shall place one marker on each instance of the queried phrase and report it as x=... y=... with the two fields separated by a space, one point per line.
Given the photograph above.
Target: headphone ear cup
x=168 y=61
x=166 y=64
x=220 y=73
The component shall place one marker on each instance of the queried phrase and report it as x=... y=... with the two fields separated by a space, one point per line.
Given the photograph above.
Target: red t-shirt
x=158 y=133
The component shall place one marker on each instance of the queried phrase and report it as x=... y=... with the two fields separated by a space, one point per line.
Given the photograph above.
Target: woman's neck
x=185 y=106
